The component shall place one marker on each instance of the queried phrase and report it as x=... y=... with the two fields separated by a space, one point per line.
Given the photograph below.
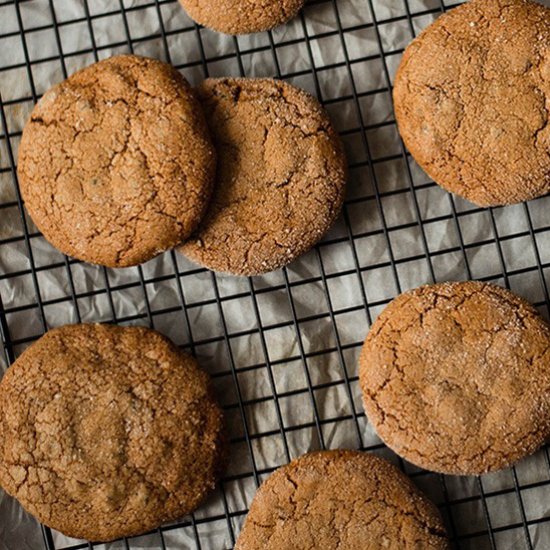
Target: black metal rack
x=389 y=200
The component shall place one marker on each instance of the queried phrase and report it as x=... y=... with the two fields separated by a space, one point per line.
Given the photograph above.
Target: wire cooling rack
x=283 y=348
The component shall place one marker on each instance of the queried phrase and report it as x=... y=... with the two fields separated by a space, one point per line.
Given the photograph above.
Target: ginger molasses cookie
x=472 y=97
x=115 y=163
x=341 y=500
x=108 y=431
x=456 y=377
x=242 y=16
x=280 y=179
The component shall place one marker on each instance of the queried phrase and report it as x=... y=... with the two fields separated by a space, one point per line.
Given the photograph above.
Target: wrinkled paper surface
x=289 y=314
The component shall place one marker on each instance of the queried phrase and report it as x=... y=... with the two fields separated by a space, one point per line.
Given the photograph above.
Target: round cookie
x=344 y=500
x=242 y=16
x=455 y=377
x=115 y=163
x=108 y=431
x=280 y=181
x=472 y=97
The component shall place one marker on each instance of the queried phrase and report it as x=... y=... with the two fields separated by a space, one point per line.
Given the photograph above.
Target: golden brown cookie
x=280 y=180
x=344 y=500
x=108 y=431
x=242 y=16
x=115 y=163
x=456 y=377
x=472 y=97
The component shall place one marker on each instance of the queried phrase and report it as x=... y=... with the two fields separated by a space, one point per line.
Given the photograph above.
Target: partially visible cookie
x=456 y=377
x=108 y=431
x=472 y=97
x=242 y=17
x=342 y=500
x=280 y=179
x=115 y=163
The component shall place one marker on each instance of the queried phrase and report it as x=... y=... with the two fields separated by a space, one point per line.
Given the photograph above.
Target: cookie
x=472 y=97
x=238 y=17
x=115 y=163
x=341 y=500
x=108 y=431
x=455 y=377
x=280 y=179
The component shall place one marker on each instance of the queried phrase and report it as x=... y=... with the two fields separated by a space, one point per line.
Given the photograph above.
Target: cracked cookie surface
x=115 y=163
x=341 y=500
x=280 y=179
x=456 y=377
x=108 y=431
x=472 y=101
x=242 y=16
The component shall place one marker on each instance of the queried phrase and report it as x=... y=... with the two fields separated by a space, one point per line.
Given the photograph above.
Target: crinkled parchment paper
x=264 y=335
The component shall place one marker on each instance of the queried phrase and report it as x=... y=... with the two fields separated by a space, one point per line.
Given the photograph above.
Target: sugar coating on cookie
x=108 y=431
x=280 y=179
x=341 y=499
x=115 y=163
x=472 y=97
x=455 y=377
x=242 y=16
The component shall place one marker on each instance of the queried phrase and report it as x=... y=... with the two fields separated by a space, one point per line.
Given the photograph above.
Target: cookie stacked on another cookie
x=108 y=431
x=472 y=98
x=341 y=499
x=116 y=163
x=456 y=377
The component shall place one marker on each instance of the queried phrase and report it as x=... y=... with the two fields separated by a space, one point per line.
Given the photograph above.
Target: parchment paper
x=331 y=344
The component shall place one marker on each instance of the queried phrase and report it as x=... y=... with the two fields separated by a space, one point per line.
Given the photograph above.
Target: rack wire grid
x=282 y=349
